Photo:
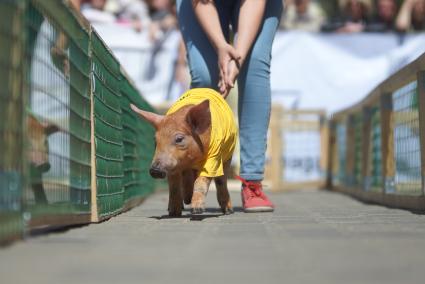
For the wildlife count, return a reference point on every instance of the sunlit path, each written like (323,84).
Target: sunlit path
(313,237)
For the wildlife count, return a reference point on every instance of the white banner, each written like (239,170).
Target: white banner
(333,71)
(330,71)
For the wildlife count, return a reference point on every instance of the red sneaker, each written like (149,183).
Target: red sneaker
(253,197)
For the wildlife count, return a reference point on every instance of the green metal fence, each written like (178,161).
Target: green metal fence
(378,145)
(11,120)
(407,148)
(138,146)
(57,84)
(72,151)
(107,129)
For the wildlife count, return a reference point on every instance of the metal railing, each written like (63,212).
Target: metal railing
(377,147)
(72,151)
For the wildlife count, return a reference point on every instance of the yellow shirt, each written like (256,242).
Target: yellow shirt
(223,129)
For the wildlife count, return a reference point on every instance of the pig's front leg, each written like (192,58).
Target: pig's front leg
(175,202)
(188,183)
(223,196)
(199,192)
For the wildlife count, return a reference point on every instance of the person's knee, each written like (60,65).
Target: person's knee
(201,82)
(259,61)
(203,79)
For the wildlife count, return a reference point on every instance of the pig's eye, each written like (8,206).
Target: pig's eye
(179,139)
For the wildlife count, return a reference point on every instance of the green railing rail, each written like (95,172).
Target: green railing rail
(377,147)
(72,151)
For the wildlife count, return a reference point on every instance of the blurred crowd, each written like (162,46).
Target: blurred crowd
(341,16)
(351,16)
(157,17)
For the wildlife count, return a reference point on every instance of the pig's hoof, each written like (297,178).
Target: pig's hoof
(197,210)
(175,213)
(227,211)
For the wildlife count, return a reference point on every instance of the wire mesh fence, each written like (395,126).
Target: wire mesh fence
(357,177)
(11,119)
(382,150)
(407,151)
(108,129)
(341,145)
(297,156)
(138,149)
(375,151)
(64,118)
(58,113)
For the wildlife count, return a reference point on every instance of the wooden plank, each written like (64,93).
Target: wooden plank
(300,125)
(399,79)
(390,200)
(10,239)
(94,209)
(421,100)
(269,154)
(59,220)
(387,139)
(108,216)
(324,143)
(333,162)
(276,145)
(406,116)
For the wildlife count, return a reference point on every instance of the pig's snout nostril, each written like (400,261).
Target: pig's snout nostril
(155,172)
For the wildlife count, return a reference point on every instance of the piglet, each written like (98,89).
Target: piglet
(182,148)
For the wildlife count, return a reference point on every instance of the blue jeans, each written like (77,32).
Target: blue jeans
(253,81)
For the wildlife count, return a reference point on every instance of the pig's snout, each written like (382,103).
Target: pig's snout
(156,171)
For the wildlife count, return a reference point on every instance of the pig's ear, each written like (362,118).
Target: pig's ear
(150,117)
(199,117)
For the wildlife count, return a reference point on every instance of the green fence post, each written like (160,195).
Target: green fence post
(387,132)
(421,98)
(11,118)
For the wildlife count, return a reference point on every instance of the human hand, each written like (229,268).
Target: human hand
(225,54)
(226,84)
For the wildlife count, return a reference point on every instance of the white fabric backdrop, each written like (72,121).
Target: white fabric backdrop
(335,71)
(330,71)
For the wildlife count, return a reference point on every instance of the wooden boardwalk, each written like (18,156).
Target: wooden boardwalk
(312,237)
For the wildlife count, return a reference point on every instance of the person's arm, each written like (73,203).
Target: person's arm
(251,15)
(207,15)
(250,19)
(404,17)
